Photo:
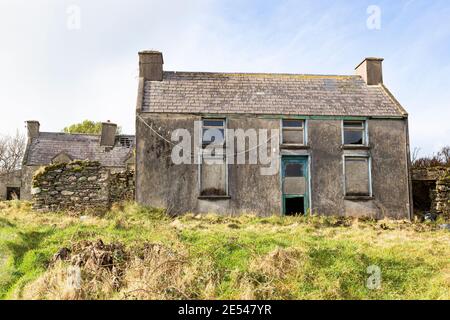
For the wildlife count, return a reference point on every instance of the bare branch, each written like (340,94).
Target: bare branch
(12,150)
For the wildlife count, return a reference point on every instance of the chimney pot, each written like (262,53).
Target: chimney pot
(371,70)
(108,137)
(33,129)
(151,65)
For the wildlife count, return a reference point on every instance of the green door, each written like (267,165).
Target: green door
(295,185)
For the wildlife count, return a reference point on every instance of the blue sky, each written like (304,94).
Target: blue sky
(59,75)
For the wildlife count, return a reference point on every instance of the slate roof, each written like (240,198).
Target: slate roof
(285,94)
(48,145)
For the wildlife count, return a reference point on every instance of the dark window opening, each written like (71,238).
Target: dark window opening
(353,137)
(294,206)
(354,133)
(423,196)
(292,123)
(12,193)
(294,170)
(213,131)
(126,142)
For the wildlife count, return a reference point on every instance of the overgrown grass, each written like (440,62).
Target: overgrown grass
(217,257)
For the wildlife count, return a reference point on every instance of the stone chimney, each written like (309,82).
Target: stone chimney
(108,138)
(371,71)
(151,65)
(33,129)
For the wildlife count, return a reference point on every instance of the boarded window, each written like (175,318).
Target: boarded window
(294,179)
(357,176)
(293,132)
(354,133)
(213,168)
(213,179)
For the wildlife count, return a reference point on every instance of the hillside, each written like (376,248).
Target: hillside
(140,253)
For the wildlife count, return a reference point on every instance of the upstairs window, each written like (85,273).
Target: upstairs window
(355,133)
(293,132)
(213,131)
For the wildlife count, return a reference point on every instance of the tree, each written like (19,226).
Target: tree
(444,154)
(86,127)
(12,150)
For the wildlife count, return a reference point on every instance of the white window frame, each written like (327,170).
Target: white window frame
(365,133)
(304,128)
(358,156)
(201,156)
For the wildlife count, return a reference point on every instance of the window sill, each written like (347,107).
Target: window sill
(359,198)
(294,146)
(354,147)
(214,197)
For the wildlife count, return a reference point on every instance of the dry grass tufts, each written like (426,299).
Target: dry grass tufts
(162,273)
(279,262)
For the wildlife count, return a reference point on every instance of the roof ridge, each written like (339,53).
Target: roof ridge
(72,134)
(260,74)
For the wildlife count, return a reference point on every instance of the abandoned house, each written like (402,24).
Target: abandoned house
(343,147)
(112,151)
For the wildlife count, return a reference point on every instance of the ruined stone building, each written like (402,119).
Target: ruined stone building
(10,184)
(343,147)
(112,151)
(431,190)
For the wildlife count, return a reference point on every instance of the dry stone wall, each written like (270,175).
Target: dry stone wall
(80,186)
(443,194)
(437,179)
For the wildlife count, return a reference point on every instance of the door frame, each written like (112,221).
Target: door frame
(304,159)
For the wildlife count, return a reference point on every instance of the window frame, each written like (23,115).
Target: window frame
(215,145)
(364,129)
(224,127)
(303,128)
(369,166)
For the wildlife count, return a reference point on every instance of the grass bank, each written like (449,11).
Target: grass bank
(146,255)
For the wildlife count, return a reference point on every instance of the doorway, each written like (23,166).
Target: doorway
(295,185)
(12,193)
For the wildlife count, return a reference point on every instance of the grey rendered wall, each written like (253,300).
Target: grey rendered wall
(390,167)
(161,183)
(387,141)
(324,137)
(27,176)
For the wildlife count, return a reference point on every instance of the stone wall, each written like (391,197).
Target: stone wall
(433,185)
(443,194)
(80,186)
(122,186)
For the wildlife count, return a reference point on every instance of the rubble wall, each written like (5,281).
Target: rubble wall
(80,186)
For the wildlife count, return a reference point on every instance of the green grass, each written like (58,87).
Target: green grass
(227,257)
